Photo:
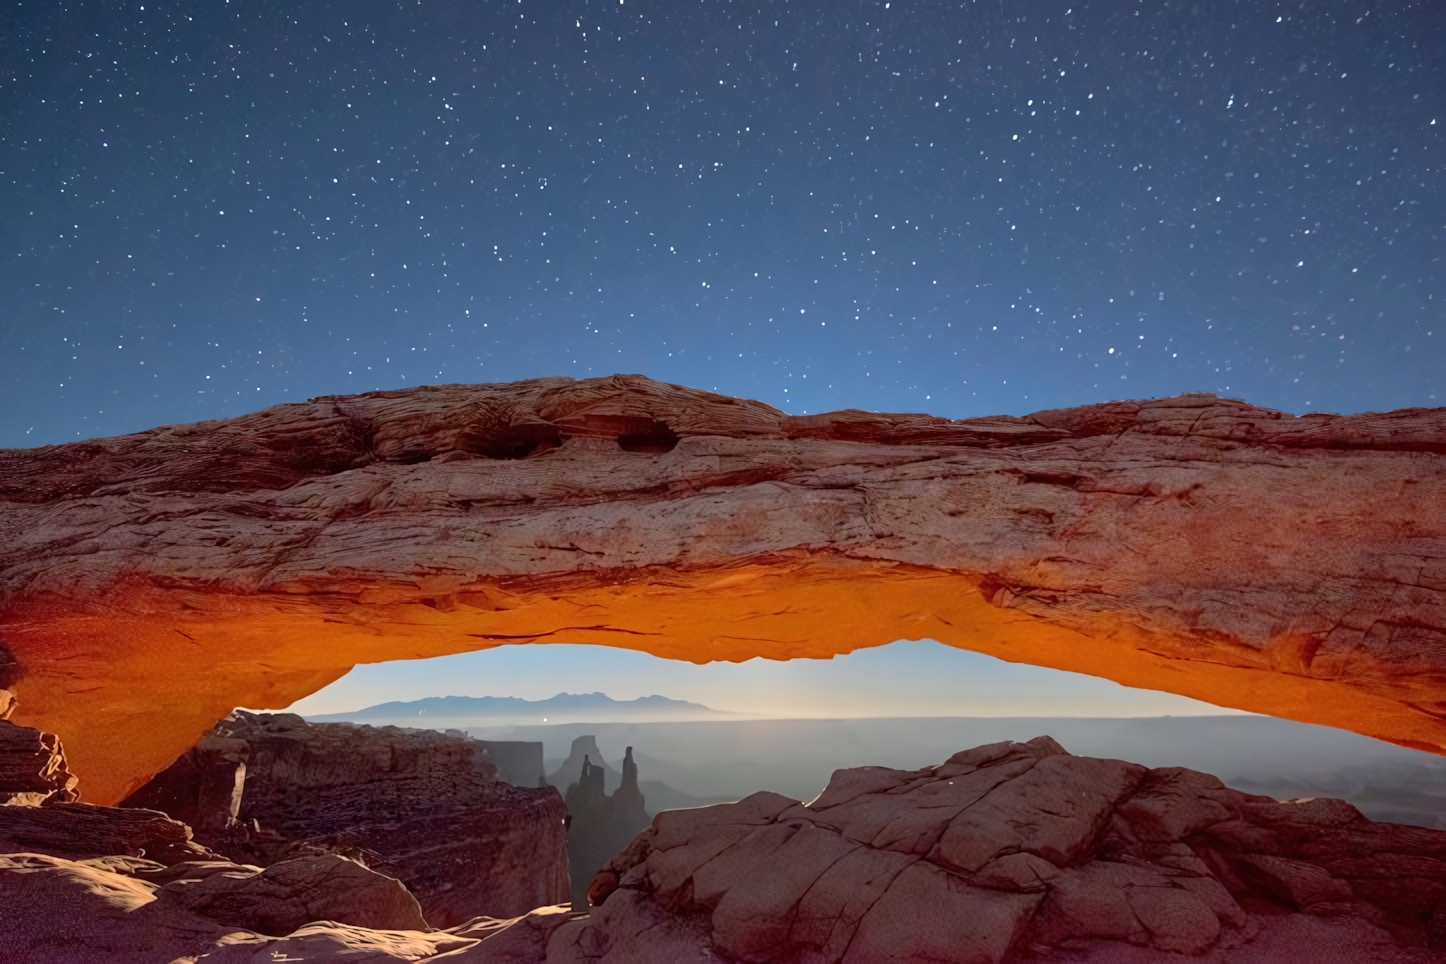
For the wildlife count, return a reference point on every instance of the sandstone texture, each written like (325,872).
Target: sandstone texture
(152,582)
(32,766)
(1005,854)
(85,831)
(417,805)
(119,911)
(1017,852)
(88,884)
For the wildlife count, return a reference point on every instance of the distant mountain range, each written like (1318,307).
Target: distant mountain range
(562,708)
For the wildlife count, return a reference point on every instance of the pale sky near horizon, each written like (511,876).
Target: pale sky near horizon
(906,678)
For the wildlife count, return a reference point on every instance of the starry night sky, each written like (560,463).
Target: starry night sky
(962,208)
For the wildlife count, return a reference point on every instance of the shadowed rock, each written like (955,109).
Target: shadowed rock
(118,912)
(599,824)
(518,762)
(1004,853)
(584,750)
(417,805)
(1290,566)
(1018,852)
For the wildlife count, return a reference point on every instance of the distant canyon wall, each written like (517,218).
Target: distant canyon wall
(150,583)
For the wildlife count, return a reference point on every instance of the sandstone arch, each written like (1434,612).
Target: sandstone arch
(151,582)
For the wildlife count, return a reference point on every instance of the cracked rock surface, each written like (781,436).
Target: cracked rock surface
(1288,566)
(1018,852)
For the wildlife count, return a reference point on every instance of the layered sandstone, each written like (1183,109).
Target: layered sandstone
(152,582)
(416,805)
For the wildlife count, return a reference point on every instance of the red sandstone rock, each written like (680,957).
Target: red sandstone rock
(1009,852)
(117,910)
(328,942)
(81,831)
(292,893)
(84,883)
(1291,566)
(1018,852)
(417,805)
(132,911)
(65,912)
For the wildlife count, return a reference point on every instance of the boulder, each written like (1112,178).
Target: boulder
(32,765)
(292,893)
(1231,553)
(76,912)
(327,942)
(108,909)
(423,807)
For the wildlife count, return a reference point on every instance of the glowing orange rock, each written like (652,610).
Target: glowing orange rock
(150,583)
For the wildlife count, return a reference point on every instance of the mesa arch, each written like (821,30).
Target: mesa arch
(150,583)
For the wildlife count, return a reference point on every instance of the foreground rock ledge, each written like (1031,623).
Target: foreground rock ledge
(1017,852)
(1003,854)
(152,582)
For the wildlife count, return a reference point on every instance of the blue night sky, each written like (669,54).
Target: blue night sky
(912,206)
(964,208)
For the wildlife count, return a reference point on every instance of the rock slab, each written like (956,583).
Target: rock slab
(1016,852)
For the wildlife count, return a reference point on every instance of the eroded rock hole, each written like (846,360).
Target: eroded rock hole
(648,435)
(519,441)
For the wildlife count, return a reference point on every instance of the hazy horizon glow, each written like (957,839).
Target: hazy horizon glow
(918,678)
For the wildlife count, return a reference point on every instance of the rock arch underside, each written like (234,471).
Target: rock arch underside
(149,583)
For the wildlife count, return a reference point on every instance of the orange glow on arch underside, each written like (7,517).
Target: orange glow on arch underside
(101,673)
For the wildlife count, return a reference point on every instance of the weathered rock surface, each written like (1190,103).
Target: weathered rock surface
(417,805)
(1290,566)
(1017,852)
(85,883)
(118,910)
(1004,853)
(291,894)
(83,831)
(32,766)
